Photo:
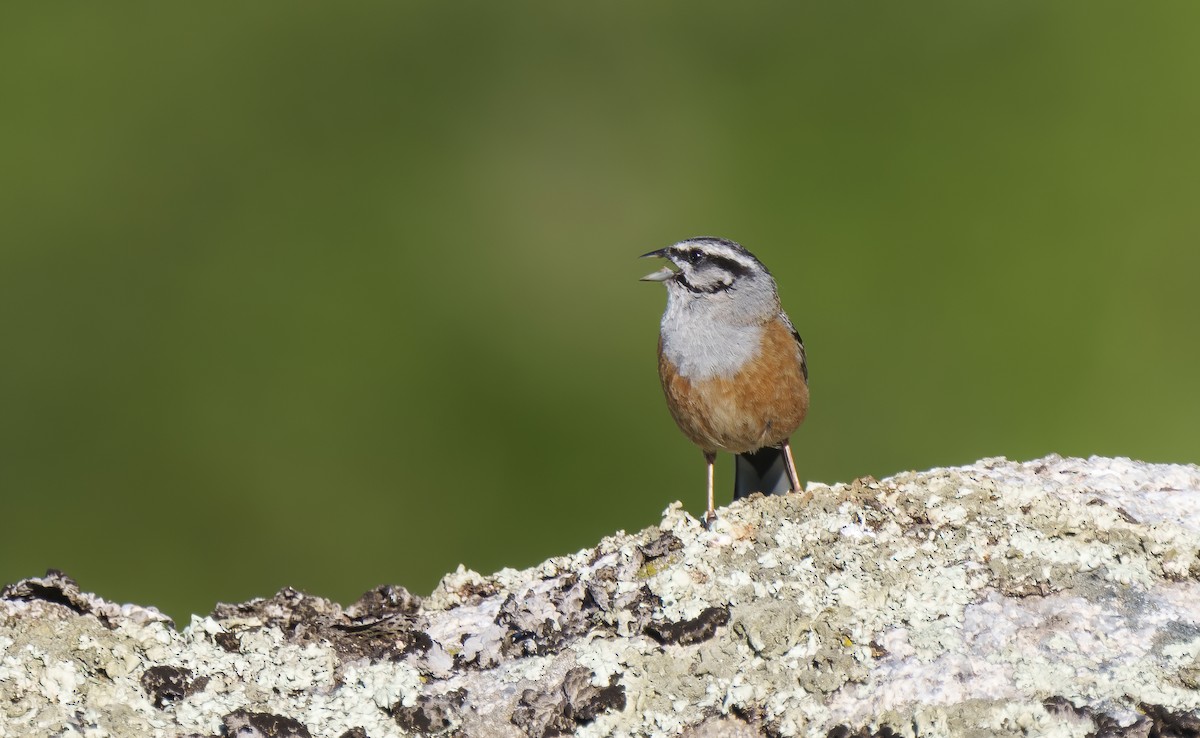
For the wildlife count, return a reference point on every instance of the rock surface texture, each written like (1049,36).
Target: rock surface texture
(1057,597)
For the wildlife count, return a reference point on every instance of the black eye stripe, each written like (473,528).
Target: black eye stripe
(734,267)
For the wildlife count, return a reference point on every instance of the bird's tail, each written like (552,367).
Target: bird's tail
(764,470)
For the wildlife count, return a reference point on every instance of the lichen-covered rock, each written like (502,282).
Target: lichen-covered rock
(1058,597)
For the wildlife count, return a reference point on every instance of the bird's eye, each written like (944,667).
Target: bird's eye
(695,256)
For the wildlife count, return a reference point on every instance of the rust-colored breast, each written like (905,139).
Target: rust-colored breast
(761,405)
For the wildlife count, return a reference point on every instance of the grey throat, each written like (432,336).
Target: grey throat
(714,335)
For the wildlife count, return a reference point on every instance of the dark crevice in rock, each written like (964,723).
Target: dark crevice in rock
(246,724)
(55,588)
(167,684)
(845,731)
(228,641)
(661,546)
(378,627)
(540,623)
(431,713)
(1165,723)
(755,716)
(1157,721)
(569,705)
(686,632)
(385,601)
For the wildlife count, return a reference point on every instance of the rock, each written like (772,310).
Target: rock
(1058,597)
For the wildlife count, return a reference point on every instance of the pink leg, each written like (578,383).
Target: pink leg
(711,515)
(791,466)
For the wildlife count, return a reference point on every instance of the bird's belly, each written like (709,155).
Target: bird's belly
(760,405)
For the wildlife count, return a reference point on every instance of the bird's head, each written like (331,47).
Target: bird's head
(708,266)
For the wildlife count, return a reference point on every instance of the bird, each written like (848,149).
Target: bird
(732,365)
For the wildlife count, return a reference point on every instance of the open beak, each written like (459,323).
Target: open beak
(662,275)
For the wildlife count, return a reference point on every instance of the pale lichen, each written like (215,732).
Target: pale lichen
(1057,597)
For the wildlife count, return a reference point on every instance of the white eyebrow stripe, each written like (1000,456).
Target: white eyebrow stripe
(719,248)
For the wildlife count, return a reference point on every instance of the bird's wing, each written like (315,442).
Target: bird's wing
(799,342)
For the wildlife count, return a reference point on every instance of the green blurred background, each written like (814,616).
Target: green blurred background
(331,295)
